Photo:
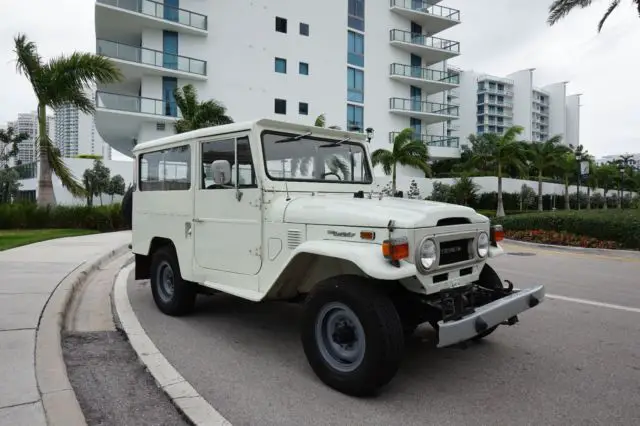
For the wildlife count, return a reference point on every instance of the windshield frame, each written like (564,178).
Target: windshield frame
(320,138)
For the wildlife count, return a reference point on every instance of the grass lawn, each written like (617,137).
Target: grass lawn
(15,238)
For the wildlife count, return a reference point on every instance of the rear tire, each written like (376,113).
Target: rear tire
(172,295)
(352,335)
(127,208)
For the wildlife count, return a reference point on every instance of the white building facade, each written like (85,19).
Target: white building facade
(76,133)
(28,123)
(491,104)
(362,63)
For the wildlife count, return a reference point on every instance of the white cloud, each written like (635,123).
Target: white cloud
(496,36)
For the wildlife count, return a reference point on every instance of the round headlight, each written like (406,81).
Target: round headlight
(483,244)
(427,254)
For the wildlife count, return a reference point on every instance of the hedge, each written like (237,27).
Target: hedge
(30,216)
(620,226)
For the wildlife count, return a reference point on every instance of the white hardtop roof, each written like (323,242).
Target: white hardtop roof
(249,125)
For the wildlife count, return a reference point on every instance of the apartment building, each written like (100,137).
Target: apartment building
(76,133)
(361,63)
(491,104)
(28,123)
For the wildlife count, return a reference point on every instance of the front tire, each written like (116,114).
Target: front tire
(172,295)
(352,335)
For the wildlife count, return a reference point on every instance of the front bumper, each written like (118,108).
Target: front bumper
(489,315)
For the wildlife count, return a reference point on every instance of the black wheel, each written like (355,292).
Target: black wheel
(126,208)
(352,335)
(490,279)
(172,295)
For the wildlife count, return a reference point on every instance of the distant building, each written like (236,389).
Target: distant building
(28,123)
(75,133)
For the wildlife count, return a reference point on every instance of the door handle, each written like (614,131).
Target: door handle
(197,220)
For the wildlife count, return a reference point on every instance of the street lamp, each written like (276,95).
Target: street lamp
(624,162)
(578,159)
(370,133)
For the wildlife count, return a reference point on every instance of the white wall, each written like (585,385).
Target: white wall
(573,120)
(522,101)
(557,109)
(78,166)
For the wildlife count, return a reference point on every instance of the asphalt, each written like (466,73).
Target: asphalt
(570,361)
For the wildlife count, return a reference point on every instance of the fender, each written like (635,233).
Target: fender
(366,256)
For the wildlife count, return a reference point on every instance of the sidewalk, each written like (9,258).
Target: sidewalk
(28,277)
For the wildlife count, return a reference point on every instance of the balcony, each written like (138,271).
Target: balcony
(435,18)
(428,112)
(430,81)
(135,61)
(138,14)
(119,117)
(494,90)
(440,147)
(431,49)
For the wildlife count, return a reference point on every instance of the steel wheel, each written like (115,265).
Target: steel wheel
(166,281)
(340,337)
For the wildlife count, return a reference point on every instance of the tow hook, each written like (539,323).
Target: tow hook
(511,321)
(509,288)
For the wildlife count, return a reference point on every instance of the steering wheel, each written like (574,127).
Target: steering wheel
(331,173)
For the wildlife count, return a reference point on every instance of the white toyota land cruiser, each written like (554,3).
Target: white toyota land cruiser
(269,210)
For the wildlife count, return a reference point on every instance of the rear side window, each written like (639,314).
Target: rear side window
(166,170)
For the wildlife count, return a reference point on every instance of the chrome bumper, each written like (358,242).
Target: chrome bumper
(489,315)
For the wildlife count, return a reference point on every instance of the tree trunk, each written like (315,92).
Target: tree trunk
(500,212)
(46,195)
(393,181)
(605,198)
(588,198)
(567,205)
(540,191)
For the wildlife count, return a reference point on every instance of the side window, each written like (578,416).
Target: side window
(166,170)
(224,149)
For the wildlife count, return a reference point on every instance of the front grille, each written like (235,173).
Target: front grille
(454,251)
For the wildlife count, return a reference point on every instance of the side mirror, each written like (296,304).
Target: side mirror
(221,170)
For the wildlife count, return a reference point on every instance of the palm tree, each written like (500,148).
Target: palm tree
(544,157)
(196,114)
(60,81)
(567,169)
(9,141)
(561,8)
(497,153)
(406,152)
(606,175)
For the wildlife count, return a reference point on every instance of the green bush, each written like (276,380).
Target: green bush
(620,226)
(30,216)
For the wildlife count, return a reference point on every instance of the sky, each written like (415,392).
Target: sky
(496,36)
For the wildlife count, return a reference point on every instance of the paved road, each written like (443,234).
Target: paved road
(568,362)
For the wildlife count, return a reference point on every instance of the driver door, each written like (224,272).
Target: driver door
(227,215)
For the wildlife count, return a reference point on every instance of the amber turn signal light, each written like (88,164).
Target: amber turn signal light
(395,249)
(497,234)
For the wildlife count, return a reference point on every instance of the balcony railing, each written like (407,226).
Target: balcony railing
(424,73)
(161,11)
(423,107)
(424,7)
(143,55)
(432,140)
(494,90)
(138,104)
(423,40)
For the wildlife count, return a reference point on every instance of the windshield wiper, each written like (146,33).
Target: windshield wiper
(293,138)
(337,143)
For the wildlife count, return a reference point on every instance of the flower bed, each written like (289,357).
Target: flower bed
(560,238)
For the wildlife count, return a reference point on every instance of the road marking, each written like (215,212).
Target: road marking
(548,250)
(594,303)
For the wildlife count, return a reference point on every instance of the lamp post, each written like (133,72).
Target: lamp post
(578,160)
(624,162)
(370,133)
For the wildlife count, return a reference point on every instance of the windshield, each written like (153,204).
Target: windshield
(314,159)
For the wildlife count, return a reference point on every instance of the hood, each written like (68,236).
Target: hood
(374,213)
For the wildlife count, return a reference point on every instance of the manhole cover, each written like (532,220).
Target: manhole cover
(521,254)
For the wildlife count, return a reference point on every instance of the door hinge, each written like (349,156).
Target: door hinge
(255,203)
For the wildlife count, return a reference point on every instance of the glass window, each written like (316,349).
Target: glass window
(356,14)
(355,85)
(280,106)
(281,65)
(170,49)
(303,108)
(304,29)
(281,25)
(243,173)
(171,11)
(170,108)
(355,53)
(416,125)
(166,170)
(355,117)
(303,68)
(314,159)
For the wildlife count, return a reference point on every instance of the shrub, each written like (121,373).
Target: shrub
(30,216)
(619,226)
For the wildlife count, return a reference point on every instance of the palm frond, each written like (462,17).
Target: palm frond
(384,158)
(611,8)
(28,61)
(561,8)
(60,169)
(321,121)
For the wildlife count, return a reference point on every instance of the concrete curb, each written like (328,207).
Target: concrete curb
(58,397)
(193,406)
(586,250)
